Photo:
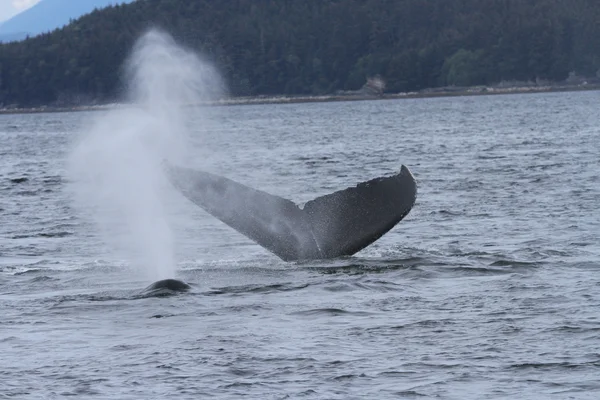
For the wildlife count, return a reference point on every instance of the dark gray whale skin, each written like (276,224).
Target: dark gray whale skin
(163,288)
(338,224)
(169,284)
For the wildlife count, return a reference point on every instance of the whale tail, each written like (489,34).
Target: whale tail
(338,224)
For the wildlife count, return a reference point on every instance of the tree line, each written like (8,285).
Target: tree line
(300,47)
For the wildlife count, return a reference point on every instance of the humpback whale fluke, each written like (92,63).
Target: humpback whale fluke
(338,224)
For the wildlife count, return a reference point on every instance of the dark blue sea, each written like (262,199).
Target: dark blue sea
(488,289)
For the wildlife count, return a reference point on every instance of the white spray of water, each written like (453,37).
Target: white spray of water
(116,168)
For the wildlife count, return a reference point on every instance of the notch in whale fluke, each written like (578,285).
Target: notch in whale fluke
(338,224)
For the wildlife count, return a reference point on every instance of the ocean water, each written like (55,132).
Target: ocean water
(489,289)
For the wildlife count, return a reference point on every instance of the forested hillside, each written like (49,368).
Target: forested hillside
(265,47)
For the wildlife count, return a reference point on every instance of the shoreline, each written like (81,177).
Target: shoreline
(263,100)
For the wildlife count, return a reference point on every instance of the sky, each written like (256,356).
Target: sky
(10,8)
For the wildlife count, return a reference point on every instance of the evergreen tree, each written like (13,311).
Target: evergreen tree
(269,47)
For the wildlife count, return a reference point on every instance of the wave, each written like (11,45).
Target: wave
(59,234)
(331,312)
(19,180)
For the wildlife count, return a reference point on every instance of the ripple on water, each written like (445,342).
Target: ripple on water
(488,289)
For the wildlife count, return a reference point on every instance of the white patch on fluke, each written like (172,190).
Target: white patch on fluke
(116,168)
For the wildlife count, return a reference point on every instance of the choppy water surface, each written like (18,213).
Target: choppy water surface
(490,288)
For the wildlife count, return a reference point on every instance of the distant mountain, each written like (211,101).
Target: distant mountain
(12,37)
(48,15)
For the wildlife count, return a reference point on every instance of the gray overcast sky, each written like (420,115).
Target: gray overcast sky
(10,8)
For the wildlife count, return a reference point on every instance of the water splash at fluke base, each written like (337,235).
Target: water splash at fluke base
(116,171)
